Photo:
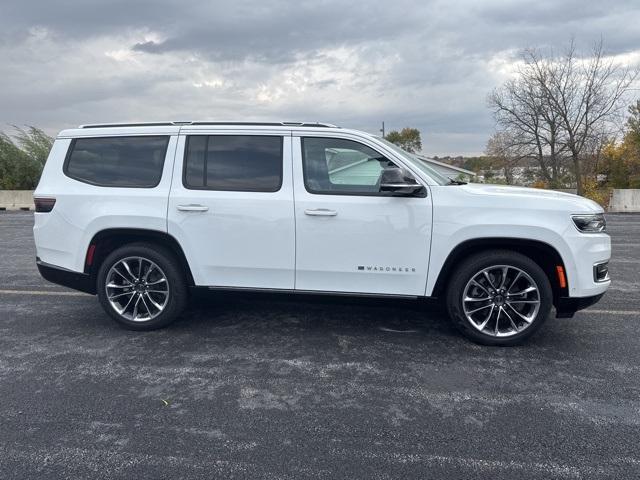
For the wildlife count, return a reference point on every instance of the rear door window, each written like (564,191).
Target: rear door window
(117,161)
(241,163)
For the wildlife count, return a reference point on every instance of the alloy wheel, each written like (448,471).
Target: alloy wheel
(501,300)
(137,289)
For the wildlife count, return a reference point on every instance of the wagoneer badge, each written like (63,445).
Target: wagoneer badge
(370,268)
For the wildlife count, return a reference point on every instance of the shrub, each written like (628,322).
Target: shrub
(22,158)
(598,194)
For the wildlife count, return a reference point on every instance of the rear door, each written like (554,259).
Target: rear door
(231,207)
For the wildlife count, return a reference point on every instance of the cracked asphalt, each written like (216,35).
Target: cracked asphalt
(279,386)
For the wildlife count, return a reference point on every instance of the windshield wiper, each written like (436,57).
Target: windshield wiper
(456,182)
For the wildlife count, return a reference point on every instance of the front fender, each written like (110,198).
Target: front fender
(446,239)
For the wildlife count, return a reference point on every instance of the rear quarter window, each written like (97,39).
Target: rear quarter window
(117,161)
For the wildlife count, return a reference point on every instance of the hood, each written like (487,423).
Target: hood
(507,193)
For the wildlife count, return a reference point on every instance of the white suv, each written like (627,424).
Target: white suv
(139,214)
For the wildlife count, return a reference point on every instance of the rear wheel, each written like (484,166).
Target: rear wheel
(141,286)
(499,297)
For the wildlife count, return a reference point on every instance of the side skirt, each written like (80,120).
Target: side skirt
(305,292)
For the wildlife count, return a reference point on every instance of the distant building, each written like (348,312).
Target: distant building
(523,176)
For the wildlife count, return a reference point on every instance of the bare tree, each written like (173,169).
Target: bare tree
(520,107)
(583,93)
(562,106)
(507,150)
(513,115)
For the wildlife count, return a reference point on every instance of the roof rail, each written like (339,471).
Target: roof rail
(140,124)
(180,123)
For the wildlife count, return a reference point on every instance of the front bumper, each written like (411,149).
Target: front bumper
(586,285)
(586,251)
(566,307)
(67,278)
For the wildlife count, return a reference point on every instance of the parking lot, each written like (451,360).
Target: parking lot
(284,386)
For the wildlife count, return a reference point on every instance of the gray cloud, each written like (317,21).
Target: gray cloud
(284,31)
(408,62)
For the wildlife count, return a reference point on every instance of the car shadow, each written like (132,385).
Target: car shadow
(253,309)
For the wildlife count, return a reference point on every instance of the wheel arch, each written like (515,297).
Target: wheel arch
(106,241)
(540,252)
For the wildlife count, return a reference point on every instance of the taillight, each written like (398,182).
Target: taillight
(44,205)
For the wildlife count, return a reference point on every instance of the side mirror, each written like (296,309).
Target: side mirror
(400,183)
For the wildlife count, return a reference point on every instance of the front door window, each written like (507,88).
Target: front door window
(335,166)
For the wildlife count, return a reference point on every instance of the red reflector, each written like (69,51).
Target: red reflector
(561,277)
(90,252)
(44,205)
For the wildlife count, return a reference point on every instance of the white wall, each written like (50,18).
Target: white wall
(625,200)
(16,199)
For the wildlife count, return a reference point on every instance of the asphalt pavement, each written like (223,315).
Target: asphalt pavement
(284,386)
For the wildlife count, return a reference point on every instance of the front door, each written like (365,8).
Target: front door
(231,208)
(350,235)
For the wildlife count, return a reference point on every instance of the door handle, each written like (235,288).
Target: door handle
(193,208)
(320,212)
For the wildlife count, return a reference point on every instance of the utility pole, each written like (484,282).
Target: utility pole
(382,129)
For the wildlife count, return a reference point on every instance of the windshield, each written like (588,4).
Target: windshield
(416,162)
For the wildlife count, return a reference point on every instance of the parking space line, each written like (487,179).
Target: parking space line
(41,292)
(613,312)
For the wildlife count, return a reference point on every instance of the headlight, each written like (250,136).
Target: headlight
(590,223)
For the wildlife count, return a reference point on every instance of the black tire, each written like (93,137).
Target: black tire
(472,266)
(175,278)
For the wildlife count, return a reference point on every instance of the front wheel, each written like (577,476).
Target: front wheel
(499,298)
(141,286)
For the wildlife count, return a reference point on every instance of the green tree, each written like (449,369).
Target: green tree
(22,158)
(633,122)
(407,139)
(622,160)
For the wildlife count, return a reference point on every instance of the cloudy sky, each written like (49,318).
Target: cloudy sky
(427,64)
